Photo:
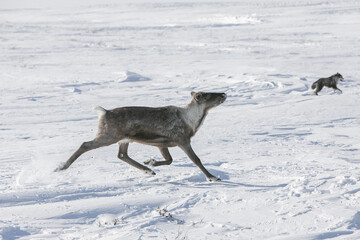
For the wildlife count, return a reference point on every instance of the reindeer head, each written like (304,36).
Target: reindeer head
(209,100)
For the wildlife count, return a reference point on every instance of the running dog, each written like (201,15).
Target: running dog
(329,82)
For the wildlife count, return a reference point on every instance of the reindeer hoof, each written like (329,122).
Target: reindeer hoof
(150,172)
(214,179)
(60,167)
(150,162)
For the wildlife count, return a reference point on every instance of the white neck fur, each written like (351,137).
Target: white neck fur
(194,115)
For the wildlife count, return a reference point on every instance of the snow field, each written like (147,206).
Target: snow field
(289,161)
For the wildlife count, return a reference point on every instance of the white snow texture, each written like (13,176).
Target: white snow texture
(289,161)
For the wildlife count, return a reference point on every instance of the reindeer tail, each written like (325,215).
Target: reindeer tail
(100,111)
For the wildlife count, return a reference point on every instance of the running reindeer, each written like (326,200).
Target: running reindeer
(162,127)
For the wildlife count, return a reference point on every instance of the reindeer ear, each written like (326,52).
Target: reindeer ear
(199,96)
(193,94)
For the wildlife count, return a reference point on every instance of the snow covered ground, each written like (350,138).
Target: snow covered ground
(289,161)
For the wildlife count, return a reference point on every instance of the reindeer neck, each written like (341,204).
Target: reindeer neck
(194,115)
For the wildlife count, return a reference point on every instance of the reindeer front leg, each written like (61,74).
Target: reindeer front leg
(191,154)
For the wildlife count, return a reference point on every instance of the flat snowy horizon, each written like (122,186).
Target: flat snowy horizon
(289,161)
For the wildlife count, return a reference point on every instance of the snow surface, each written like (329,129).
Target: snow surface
(289,161)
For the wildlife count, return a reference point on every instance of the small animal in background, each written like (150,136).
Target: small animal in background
(329,82)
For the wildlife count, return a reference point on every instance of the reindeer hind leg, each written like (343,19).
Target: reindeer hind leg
(123,155)
(165,153)
(85,147)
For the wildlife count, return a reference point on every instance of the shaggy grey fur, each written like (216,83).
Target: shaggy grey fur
(330,82)
(162,127)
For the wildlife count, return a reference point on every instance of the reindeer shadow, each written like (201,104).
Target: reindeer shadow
(200,181)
